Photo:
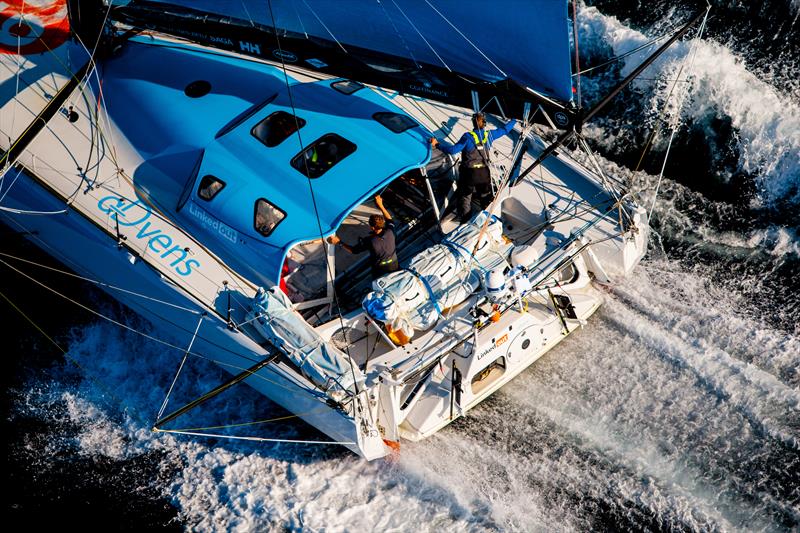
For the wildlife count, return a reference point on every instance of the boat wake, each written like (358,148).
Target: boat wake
(744,123)
(667,411)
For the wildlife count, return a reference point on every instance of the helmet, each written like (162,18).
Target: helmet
(475,118)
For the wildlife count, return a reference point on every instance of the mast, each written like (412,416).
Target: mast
(86,20)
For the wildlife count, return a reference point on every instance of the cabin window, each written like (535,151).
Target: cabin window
(347,86)
(395,121)
(276,128)
(210,187)
(267,217)
(320,156)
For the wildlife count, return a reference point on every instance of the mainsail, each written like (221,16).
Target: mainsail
(438,49)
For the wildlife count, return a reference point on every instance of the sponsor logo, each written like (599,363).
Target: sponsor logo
(31,27)
(213,224)
(136,215)
(486,352)
(220,40)
(426,88)
(561,118)
(316,63)
(284,55)
(217,39)
(250,48)
(500,341)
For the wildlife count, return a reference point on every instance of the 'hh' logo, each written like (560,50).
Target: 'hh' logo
(136,214)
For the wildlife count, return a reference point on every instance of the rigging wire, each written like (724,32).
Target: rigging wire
(577,56)
(255,439)
(300,20)
(623,55)
(417,105)
(399,35)
(28,212)
(421,36)
(676,119)
(330,274)
(82,81)
(73,195)
(156,339)
(178,373)
(247,12)
(57,254)
(16,86)
(101,283)
(138,415)
(256,422)
(467,39)
(75,362)
(94,70)
(275,28)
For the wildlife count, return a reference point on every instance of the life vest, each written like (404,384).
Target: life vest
(478,156)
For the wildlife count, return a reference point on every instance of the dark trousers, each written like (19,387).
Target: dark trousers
(473,182)
(379,269)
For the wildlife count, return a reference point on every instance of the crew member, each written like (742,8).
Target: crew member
(473,175)
(321,157)
(380,243)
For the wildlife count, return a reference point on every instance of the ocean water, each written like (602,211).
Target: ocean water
(676,408)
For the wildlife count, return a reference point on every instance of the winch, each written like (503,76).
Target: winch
(495,285)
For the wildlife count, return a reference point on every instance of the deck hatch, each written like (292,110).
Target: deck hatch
(395,122)
(347,86)
(197,89)
(276,128)
(322,155)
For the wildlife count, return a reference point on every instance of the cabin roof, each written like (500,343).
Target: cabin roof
(164,123)
(253,170)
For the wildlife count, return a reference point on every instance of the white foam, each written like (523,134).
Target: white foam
(228,486)
(606,417)
(768,124)
(777,241)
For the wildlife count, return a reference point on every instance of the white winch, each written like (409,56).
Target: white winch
(495,285)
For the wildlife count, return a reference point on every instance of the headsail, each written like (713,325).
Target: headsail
(438,49)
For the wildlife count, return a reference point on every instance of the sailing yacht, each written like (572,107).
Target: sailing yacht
(193,164)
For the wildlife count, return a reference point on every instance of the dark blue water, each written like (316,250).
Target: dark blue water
(676,408)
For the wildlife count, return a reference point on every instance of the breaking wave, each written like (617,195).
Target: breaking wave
(764,125)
